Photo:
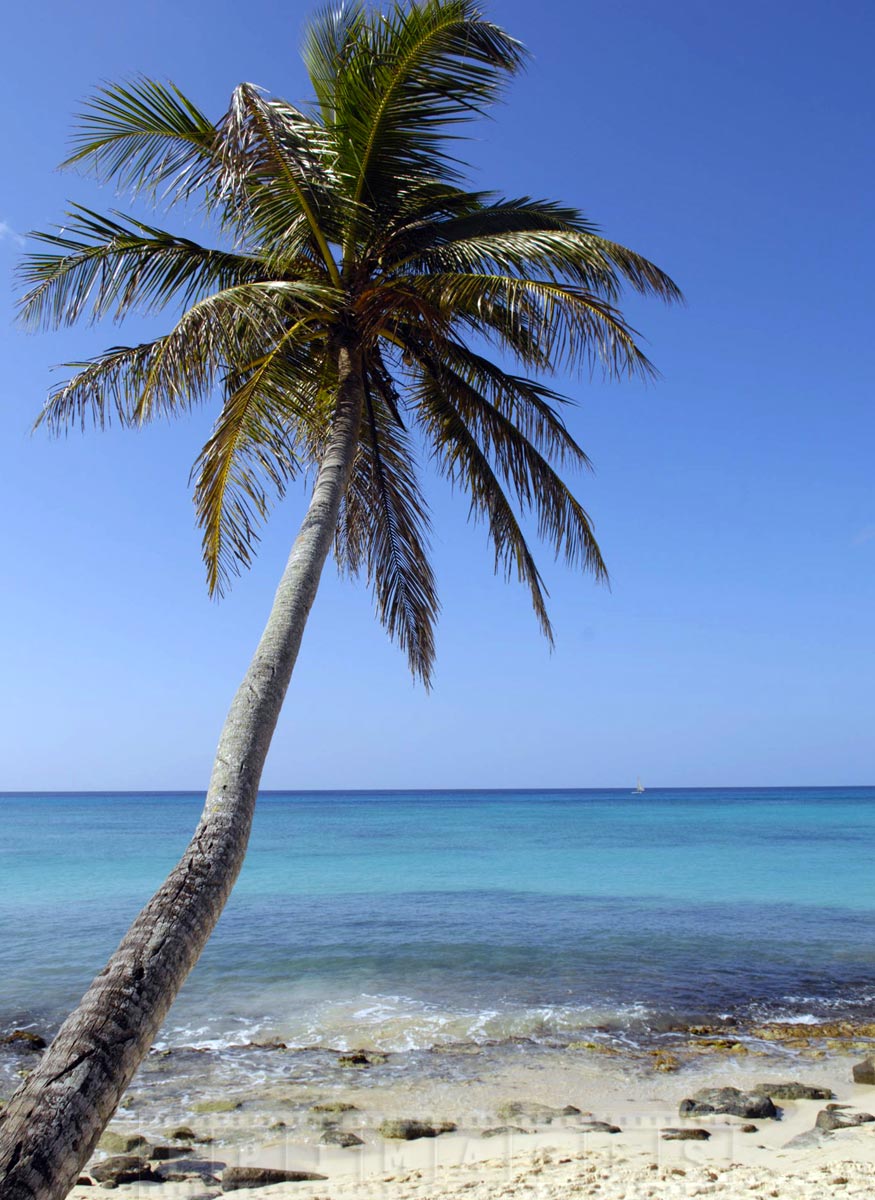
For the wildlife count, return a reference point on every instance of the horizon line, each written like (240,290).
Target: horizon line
(371,791)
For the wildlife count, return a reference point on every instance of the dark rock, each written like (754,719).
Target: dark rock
(114,1142)
(356,1059)
(728,1100)
(500,1129)
(123,1168)
(333,1106)
(600,1127)
(236,1178)
(182,1133)
(542,1114)
(161,1153)
(748,1129)
(406,1130)
(340,1137)
(805,1034)
(685,1135)
(362,1058)
(459,1047)
(23,1039)
(828,1121)
(837,1107)
(863,1072)
(793,1091)
(84,1181)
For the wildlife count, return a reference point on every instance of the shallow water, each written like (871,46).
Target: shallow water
(404,920)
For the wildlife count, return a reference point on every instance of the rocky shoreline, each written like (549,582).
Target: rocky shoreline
(364,1113)
(173,1077)
(188,1164)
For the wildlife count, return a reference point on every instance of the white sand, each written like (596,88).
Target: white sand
(783,1158)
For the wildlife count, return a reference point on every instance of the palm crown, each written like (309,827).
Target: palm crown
(348,221)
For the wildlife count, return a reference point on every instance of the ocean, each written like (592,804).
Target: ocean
(399,921)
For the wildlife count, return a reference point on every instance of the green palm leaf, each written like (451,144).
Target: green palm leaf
(274,160)
(108,385)
(562,521)
(415,70)
(331,39)
(147,137)
(109,265)
(546,324)
(348,222)
(532,407)
(384,531)
(463,462)
(264,435)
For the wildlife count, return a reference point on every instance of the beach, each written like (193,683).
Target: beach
(515,1135)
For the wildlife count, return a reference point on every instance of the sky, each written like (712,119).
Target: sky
(732,499)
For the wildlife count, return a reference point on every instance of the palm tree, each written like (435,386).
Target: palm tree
(348,323)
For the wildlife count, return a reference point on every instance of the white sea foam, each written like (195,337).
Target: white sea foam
(399,1023)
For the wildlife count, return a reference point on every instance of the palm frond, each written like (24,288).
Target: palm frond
(331,38)
(108,265)
(219,335)
(266,432)
(545,324)
(419,204)
(109,387)
(525,237)
(639,272)
(532,407)
(416,69)
(459,457)
(433,222)
(384,530)
(147,137)
(562,521)
(558,256)
(276,170)
(232,331)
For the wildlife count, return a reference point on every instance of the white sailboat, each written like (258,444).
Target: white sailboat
(639,787)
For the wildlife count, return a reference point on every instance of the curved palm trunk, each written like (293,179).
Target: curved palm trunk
(54,1121)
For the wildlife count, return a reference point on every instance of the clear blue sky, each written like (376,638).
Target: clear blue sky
(733,500)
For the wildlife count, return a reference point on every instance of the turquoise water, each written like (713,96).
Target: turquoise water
(405,919)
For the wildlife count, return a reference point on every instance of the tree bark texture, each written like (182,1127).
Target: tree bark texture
(53,1122)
